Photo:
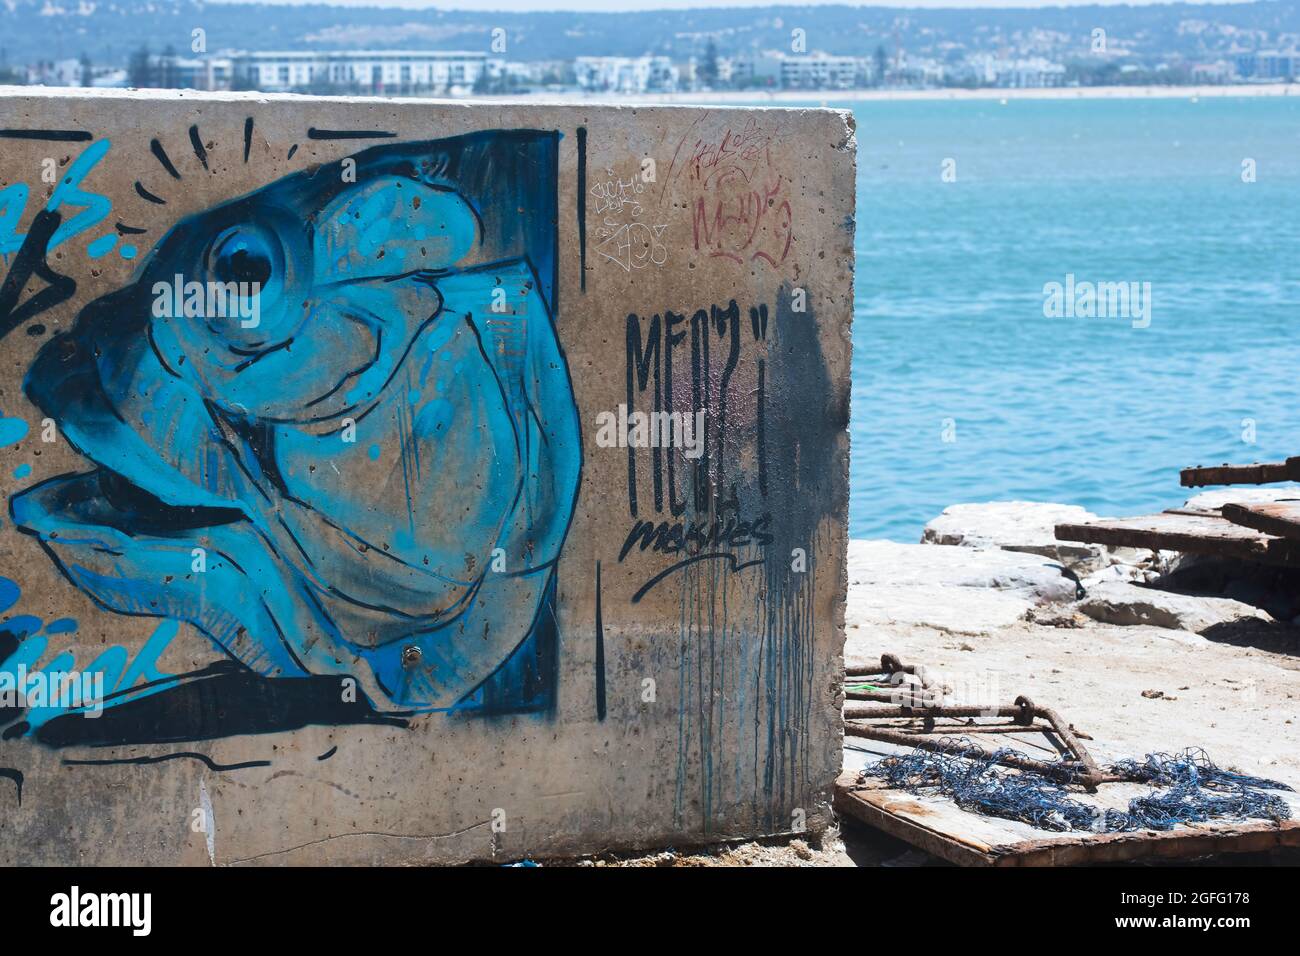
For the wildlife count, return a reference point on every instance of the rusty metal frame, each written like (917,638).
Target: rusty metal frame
(1077,767)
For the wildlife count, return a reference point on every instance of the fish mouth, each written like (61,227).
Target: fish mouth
(122,495)
(136,555)
(126,506)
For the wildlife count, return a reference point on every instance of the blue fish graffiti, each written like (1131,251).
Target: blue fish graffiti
(373,480)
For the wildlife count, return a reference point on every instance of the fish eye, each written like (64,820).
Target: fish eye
(249,254)
(249,266)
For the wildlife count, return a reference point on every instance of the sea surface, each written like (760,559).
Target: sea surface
(965,391)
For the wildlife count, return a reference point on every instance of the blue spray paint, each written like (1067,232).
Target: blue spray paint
(102,246)
(117,675)
(94,207)
(370,556)
(68,193)
(12,430)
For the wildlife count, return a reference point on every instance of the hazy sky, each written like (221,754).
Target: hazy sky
(611,6)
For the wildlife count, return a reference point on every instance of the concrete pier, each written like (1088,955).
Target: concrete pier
(399,481)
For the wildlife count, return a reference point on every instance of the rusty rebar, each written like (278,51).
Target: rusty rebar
(1079,768)
(1078,771)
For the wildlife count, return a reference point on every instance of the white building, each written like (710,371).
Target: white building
(191,73)
(734,69)
(1220,71)
(1031,73)
(626,74)
(819,71)
(380,71)
(56,73)
(112,79)
(1035,72)
(922,71)
(761,69)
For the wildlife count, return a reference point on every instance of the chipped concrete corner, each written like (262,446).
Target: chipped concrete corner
(415,482)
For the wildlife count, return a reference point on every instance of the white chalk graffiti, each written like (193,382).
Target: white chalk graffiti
(621,236)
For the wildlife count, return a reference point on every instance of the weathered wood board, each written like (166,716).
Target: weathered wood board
(1280,518)
(1189,531)
(1259,473)
(939,827)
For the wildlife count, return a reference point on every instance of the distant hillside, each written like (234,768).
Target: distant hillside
(108,31)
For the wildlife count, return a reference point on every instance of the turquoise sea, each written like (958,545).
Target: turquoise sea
(949,326)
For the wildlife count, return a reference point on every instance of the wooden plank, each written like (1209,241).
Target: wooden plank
(943,829)
(850,799)
(1178,844)
(1280,518)
(1193,533)
(1260,473)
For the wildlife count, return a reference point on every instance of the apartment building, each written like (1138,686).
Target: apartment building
(1269,64)
(372,71)
(625,74)
(819,71)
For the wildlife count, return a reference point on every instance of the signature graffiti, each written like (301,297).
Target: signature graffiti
(741,209)
(622,237)
(694,360)
(754,224)
(615,196)
(722,372)
(738,154)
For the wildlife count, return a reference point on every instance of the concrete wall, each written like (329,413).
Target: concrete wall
(329,482)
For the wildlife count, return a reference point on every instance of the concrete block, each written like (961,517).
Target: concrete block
(406,481)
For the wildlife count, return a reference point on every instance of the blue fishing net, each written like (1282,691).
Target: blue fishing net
(1187,788)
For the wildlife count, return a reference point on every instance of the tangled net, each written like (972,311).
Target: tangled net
(1190,789)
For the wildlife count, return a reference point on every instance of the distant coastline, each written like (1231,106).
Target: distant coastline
(779,97)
